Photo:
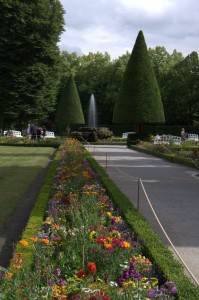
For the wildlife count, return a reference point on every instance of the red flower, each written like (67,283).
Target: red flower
(91,267)
(81,273)
(99,296)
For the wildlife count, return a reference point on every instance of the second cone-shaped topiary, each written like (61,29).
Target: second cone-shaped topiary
(139,99)
(69,109)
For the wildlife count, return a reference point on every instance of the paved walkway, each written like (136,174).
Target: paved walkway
(173,191)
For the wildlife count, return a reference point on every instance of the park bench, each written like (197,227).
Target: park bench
(167,139)
(125,134)
(49,134)
(15,133)
(192,137)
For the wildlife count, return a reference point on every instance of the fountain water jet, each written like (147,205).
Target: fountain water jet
(92,113)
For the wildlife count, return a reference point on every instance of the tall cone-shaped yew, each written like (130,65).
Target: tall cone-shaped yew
(139,98)
(69,109)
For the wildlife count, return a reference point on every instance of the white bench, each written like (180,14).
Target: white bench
(167,139)
(49,134)
(15,133)
(192,137)
(125,134)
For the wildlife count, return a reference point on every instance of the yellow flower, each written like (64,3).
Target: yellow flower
(115,234)
(48,221)
(108,213)
(23,243)
(8,275)
(93,234)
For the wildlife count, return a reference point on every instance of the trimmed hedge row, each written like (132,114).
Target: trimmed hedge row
(154,248)
(171,157)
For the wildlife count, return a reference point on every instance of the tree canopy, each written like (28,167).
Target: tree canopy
(29,58)
(139,98)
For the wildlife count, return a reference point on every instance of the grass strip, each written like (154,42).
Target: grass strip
(37,215)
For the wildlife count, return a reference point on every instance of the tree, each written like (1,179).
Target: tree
(182,91)
(29,58)
(69,109)
(139,98)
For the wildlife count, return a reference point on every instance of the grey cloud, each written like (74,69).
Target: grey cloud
(176,26)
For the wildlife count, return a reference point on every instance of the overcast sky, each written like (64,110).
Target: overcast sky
(113,25)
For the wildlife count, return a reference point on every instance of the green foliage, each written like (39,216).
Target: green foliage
(29,58)
(139,98)
(69,110)
(181,91)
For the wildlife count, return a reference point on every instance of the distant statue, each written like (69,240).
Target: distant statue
(183,134)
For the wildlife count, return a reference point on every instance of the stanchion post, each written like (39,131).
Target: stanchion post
(138,199)
(106,160)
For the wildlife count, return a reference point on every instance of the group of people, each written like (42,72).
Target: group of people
(9,132)
(35,132)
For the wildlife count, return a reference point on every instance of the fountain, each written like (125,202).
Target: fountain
(92,113)
(92,133)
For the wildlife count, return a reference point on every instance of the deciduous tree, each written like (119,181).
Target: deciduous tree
(29,58)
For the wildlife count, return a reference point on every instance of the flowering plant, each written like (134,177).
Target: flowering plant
(84,249)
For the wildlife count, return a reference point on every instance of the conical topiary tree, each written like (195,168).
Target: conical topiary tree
(139,98)
(69,109)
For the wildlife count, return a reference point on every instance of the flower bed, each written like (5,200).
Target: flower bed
(84,249)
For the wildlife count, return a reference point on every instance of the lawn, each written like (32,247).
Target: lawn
(19,166)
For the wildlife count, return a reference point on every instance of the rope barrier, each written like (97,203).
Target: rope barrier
(156,217)
(166,234)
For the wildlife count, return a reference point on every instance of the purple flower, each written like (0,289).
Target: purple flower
(126,274)
(62,282)
(121,281)
(51,283)
(152,293)
(173,290)
(137,276)
(57,272)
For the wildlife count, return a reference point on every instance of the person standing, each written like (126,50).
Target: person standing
(28,133)
(33,132)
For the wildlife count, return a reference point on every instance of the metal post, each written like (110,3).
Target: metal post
(106,160)
(138,199)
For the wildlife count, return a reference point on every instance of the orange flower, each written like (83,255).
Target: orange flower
(91,267)
(16,266)
(34,239)
(23,243)
(55,226)
(107,246)
(125,244)
(45,241)
(8,275)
